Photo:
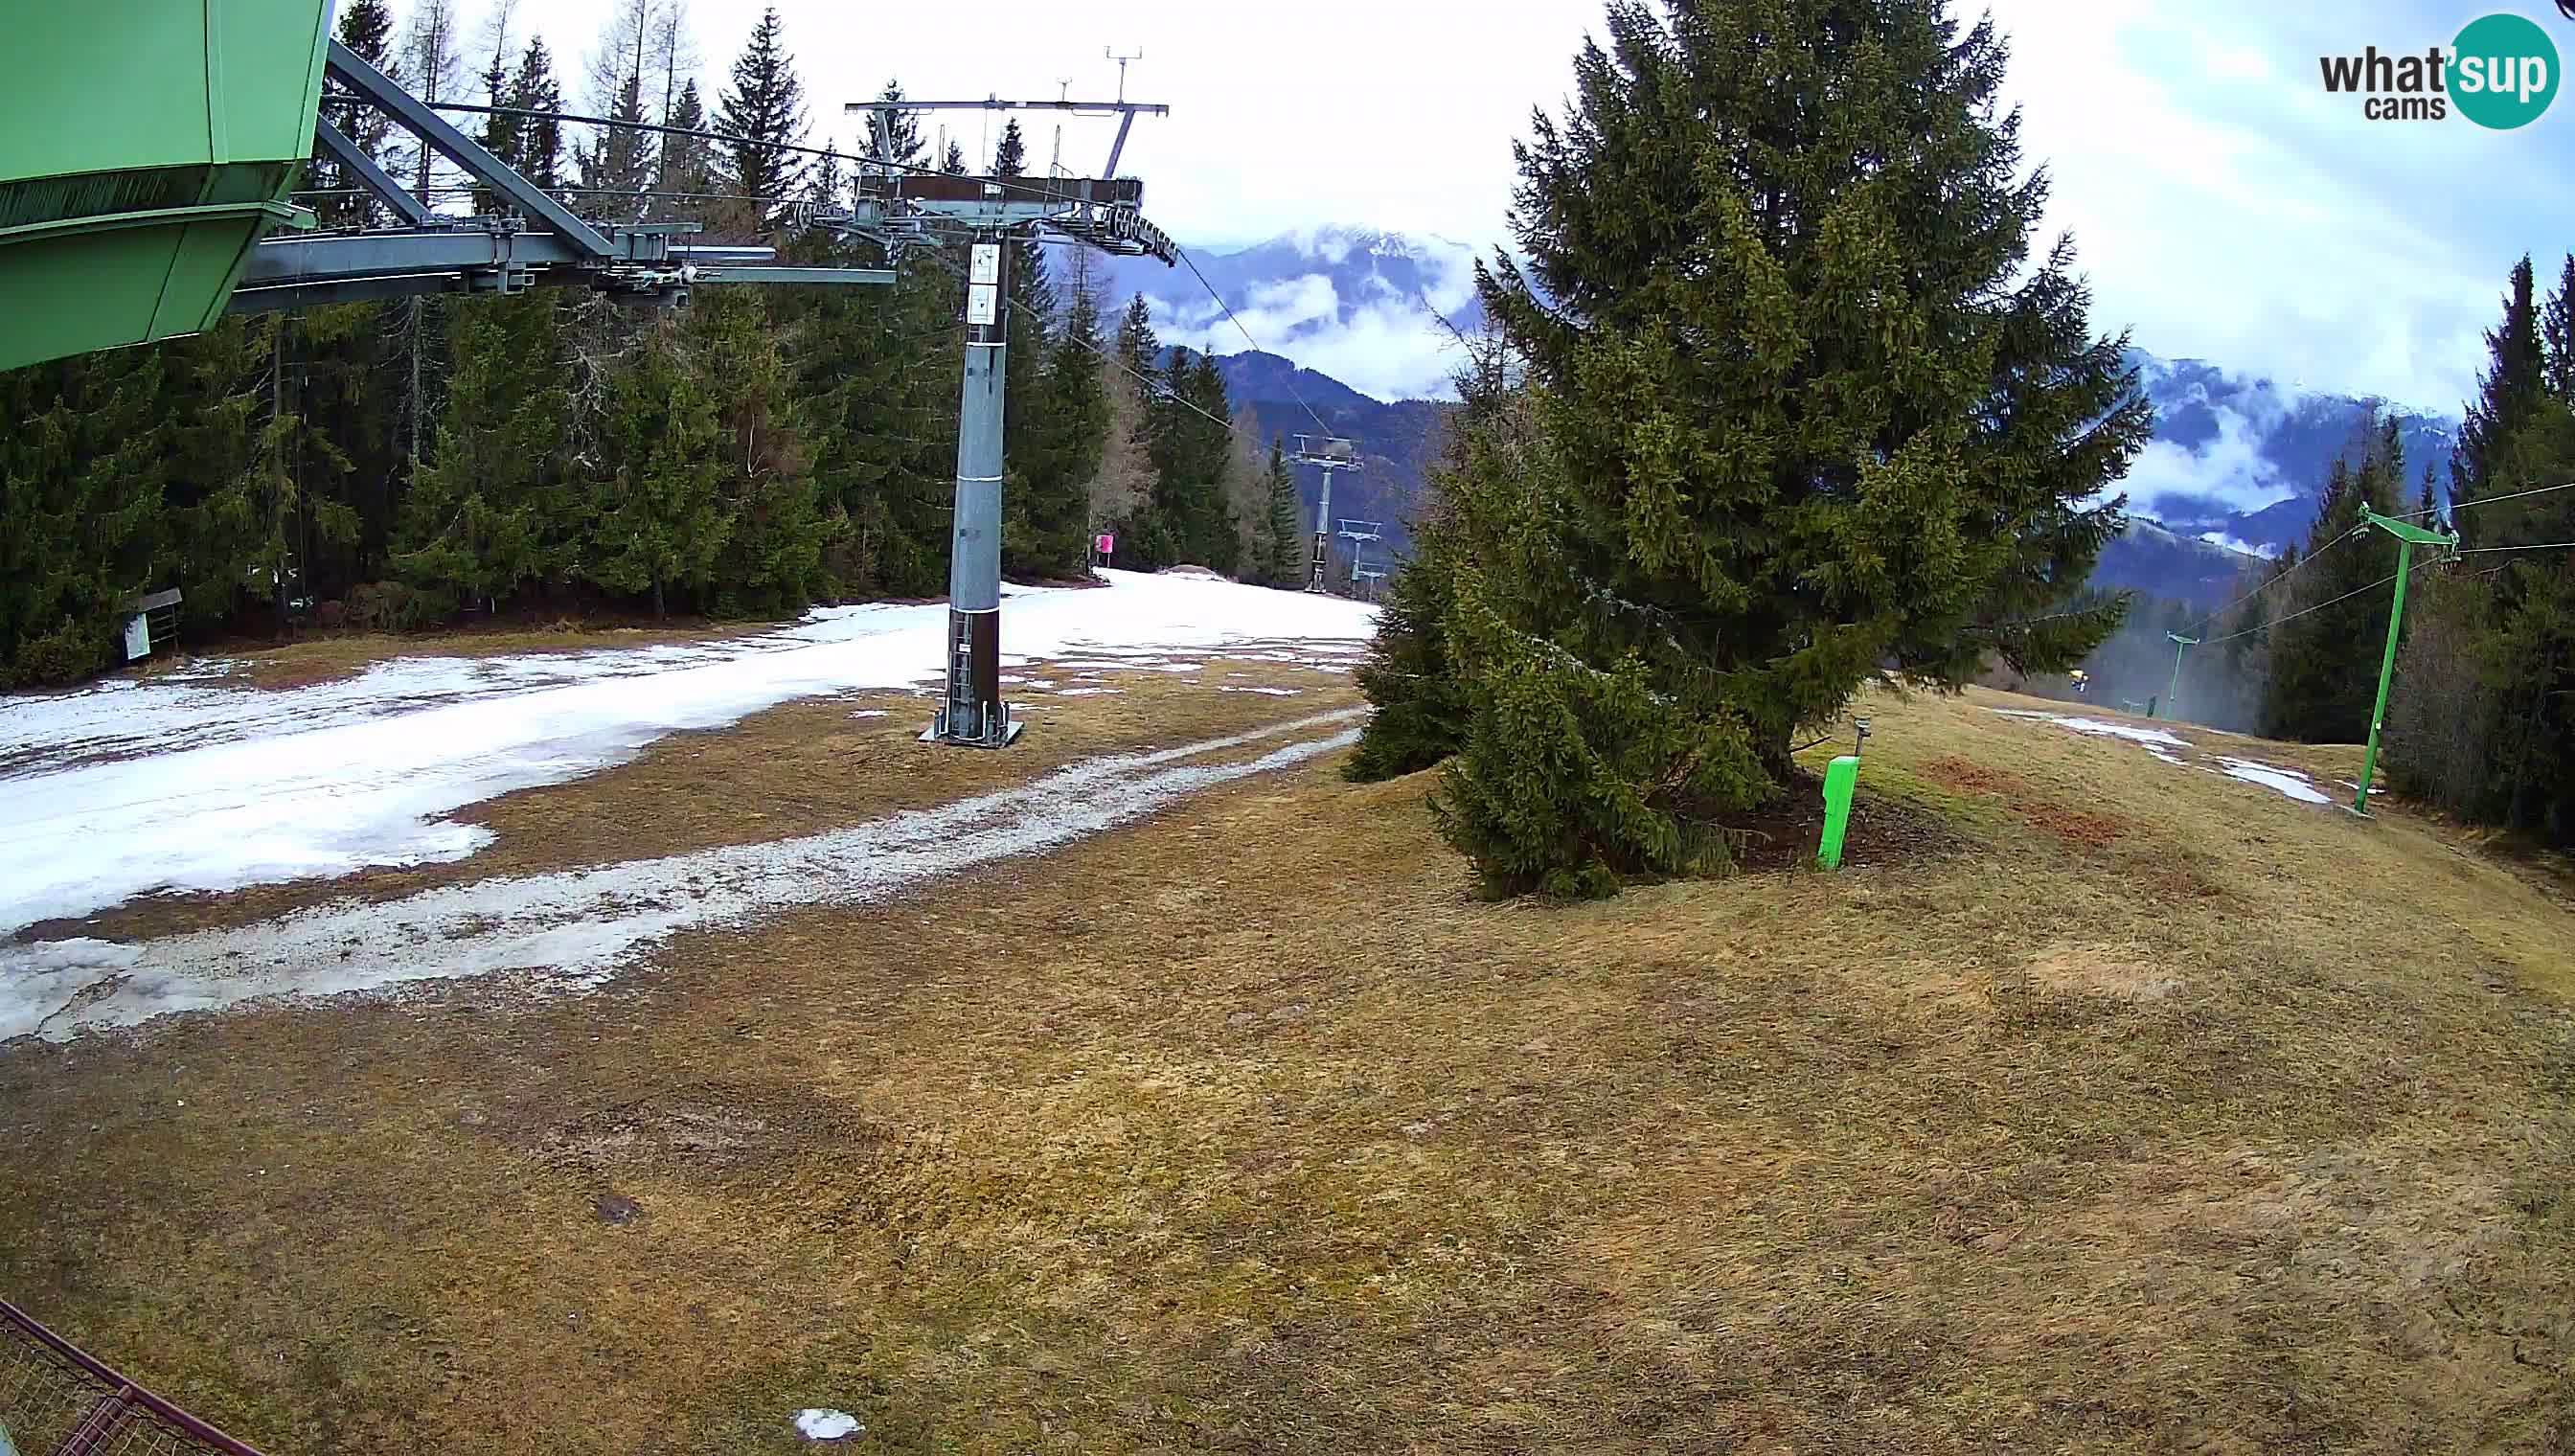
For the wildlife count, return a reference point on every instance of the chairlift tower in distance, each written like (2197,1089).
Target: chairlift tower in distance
(1359,533)
(1327,453)
(899,208)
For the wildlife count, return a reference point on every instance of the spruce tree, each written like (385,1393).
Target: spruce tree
(1118,489)
(770,561)
(1147,537)
(876,374)
(1138,348)
(877,371)
(763,109)
(82,517)
(2322,684)
(477,523)
(350,392)
(1191,521)
(500,129)
(1215,525)
(2557,336)
(1410,676)
(2508,391)
(367,27)
(827,181)
(1283,536)
(539,151)
(216,398)
(1049,518)
(657,522)
(616,169)
(1809,409)
(689,165)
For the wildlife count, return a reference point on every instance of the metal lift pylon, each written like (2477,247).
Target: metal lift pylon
(2408,535)
(897,209)
(1329,454)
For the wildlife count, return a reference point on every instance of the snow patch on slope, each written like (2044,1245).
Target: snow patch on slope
(134,788)
(2286,780)
(573,930)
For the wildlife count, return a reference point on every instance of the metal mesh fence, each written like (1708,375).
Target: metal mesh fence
(56,1401)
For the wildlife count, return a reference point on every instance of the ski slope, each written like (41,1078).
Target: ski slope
(179,785)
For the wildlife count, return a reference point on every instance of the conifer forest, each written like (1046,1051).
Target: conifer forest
(446,460)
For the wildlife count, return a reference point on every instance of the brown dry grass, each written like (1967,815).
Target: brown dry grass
(1245,1128)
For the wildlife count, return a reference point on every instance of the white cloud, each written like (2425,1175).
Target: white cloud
(1381,334)
(2249,548)
(1383,347)
(2227,208)
(2228,466)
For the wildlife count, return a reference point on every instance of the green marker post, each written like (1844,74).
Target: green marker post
(2407,536)
(1840,777)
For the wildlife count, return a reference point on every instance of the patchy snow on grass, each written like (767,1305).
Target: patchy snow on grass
(1268,691)
(2099,728)
(574,928)
(2286,780)
(131,786)
(815,1423)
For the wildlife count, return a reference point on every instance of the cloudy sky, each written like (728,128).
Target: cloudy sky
(2224,206)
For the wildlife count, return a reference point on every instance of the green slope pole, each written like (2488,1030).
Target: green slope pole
(1840,777)
(2407,536)
(2173,700)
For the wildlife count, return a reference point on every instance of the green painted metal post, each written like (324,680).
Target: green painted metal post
(2180,644)
(2408,537)
(1840,777)
(2386,673)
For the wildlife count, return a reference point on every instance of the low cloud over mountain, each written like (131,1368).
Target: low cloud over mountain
(2232,473)
(1373,310)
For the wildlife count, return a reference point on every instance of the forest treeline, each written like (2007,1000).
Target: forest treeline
(407,462)
(2482,720)
(2481,708)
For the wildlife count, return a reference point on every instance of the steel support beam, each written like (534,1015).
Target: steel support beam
(1118,147)
(378,89)
(287,296)
(729,273)
(370,176)
(323,256)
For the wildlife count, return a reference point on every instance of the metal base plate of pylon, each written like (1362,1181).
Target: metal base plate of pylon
(999,732)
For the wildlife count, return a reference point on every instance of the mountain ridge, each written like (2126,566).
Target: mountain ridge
(1361,325)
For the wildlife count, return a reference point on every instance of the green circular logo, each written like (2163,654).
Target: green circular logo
(2504,72)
